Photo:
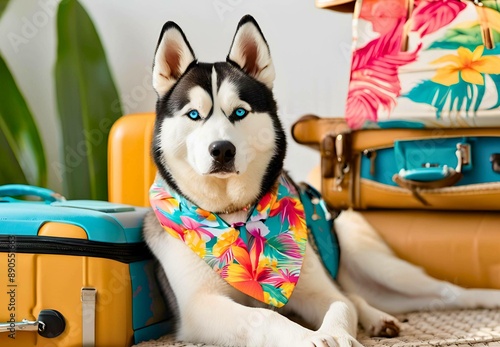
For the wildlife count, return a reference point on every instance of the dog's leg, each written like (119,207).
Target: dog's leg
(216,319)
(371,270)
(317,299)
(374,321)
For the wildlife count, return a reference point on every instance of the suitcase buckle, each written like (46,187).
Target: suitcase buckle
(335,160)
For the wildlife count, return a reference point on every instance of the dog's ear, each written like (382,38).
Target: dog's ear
(250,51)
(172,57)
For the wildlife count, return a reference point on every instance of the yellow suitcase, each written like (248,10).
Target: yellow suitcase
(131,170)
(75,273)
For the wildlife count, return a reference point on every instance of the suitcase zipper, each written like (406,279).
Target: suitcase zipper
(122,252)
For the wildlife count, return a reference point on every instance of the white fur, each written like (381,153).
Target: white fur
(371,270)
(211,311)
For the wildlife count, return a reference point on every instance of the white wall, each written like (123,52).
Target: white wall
(310,48)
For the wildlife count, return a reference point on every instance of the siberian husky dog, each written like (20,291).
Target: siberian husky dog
(219,148)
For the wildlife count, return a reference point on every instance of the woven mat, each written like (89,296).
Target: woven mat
(442,328)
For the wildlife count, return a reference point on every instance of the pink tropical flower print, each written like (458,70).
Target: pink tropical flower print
(384,15)
(283,245)
(174,229)
(375,81)
(289,209)
(432,15)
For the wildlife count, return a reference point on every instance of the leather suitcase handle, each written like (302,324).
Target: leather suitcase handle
(448,181)
(310,130)
(415,186)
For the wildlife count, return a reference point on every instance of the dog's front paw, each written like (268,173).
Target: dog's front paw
(386,326)
(320,339)
(378,323)
(347,341)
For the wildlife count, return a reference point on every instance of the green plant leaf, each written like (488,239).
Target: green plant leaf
(3,6)
(21,149)
(87,101)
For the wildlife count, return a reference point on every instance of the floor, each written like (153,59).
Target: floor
(457,328)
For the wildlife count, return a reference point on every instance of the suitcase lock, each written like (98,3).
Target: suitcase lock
(50,324)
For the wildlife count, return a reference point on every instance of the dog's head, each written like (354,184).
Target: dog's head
(218,140)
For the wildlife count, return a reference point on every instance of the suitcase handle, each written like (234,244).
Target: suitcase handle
(47,195)
(451,178)
(435,177)
(448,181)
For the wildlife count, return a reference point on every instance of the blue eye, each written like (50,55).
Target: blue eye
(240,112)
(194,115)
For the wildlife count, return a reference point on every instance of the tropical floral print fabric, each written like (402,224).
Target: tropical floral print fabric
(430,62)
(262,257)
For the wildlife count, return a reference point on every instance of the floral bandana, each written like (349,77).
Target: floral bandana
(261,258)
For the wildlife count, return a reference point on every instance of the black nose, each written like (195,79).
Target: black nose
(222,151)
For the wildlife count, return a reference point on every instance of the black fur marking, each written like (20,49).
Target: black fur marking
(162,167)
(255,93)
(275,166)
(198,74)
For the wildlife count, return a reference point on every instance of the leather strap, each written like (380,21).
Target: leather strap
(416,186)
(448,181)
(327,150)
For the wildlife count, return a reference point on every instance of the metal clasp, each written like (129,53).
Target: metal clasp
(24,325)
(463,153)
(342,166)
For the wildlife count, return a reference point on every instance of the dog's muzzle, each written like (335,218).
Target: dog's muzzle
(223,153)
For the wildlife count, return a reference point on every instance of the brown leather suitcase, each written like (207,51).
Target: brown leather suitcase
(453,231)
